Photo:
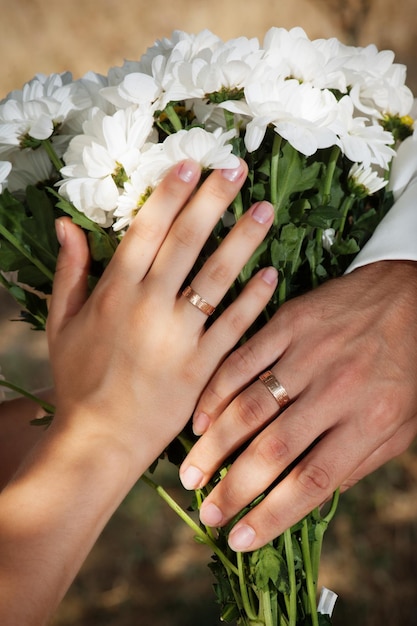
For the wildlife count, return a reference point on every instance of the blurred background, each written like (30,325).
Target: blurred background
(146,568)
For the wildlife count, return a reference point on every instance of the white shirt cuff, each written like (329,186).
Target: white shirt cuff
(395,238)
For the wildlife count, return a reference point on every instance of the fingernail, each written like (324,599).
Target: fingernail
(241,537)
(188,170)
(191,478)
(210,514)
(60,231)
(233,175)
(270,275)
(262,212)
(201,422)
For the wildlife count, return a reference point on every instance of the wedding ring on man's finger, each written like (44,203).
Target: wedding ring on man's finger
(275,388)
(196,300)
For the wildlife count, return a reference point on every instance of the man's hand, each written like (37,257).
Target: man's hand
(346,353)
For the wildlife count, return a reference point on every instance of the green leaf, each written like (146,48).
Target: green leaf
(324,620)
(323,216)
(102,246)
(268,565)
(348,246)
(285,251)
(43,212)
(294,175)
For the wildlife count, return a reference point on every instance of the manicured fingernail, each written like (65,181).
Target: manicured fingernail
(201,422)
(241,537)
(188,170)
(191,477)
(233,175)
(60,231)
(262,212)
(211,515)
(270,275)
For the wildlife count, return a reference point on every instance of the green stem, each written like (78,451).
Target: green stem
(311,580)
(282,290)
(173,117)
(333,507)
(267,608)
(229,119)
(346,206)
(201,535)
(53,157)
(237,205)
(16,243)
(244,590)
(289,551)
(275,156)
(49,408)
(320,529)
(331,166)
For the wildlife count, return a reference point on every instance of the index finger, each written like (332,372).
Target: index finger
(240,369)
(145,235)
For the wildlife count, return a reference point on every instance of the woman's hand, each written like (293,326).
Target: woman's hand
(346,355)
(129,364)
(132,359)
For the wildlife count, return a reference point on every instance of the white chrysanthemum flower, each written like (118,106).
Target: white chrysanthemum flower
(5,168)
(364,181)
(161,74)
(300,113)
(137,190)
(362,141)
(210,150)
(223,71)
(93,84)
(99,162)
(136,88)
(35,111)
(181,47)
(328,238)
(293,55)
(377,84)
(30,167)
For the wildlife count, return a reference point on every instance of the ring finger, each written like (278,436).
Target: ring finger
(224,265)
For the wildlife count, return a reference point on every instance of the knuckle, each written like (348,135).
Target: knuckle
(271,517)
(145,229)
(185,236)
(212,397)
(314,481)
(217,271)
(236,323)
(229,496)
(270,449)
(217,190)
(106,301)
(249,411)
(243,360)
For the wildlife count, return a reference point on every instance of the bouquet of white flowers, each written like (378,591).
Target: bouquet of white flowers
(317,122)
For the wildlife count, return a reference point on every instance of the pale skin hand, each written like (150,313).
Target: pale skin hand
(346,354)
(129,364)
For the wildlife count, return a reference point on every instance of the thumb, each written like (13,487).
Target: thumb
(70,288)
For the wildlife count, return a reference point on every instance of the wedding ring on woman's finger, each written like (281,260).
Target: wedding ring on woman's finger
(275,388)
(196,300)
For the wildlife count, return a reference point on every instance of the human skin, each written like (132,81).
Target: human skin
(346,354)
(129,363)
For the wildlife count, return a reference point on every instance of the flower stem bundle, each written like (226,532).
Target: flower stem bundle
(317,123)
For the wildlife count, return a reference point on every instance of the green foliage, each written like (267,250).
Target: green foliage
(309,195)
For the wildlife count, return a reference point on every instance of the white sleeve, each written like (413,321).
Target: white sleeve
(395,238)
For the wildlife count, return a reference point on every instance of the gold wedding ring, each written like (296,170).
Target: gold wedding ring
(197,301)
(274,386)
